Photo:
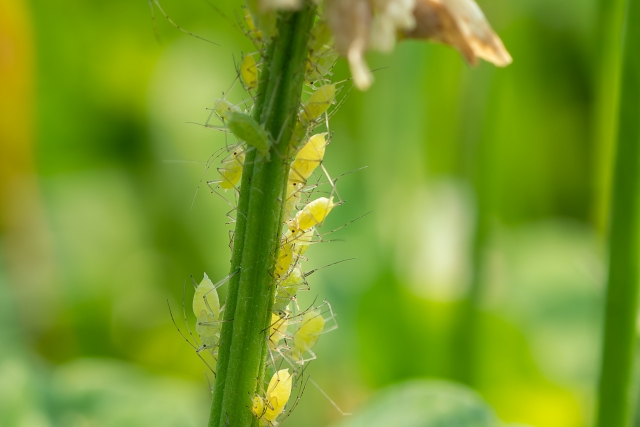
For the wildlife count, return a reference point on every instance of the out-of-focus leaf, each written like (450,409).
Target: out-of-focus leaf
(423,403)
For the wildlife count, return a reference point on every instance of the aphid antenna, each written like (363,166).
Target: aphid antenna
(309,273)
(172,22)
(334,404)
(208,126)
(334,188)
(340,228)
(299,315)
(213,186)
(224,16)
(238,26)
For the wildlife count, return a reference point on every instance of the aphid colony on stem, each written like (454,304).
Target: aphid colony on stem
(293,332)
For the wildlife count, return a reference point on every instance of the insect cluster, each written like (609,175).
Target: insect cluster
(293,331)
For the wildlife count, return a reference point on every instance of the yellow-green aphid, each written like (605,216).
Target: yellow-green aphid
(299,134)
(318,103)
(246,129)
(206,307)
(249,72)
(312,214)
(278,393)
(277,331)
(254,33)
(223,107)
(287,288)
(291,248)
(231,172)
(285,256)
(306,336)
(294,189)
(308,158)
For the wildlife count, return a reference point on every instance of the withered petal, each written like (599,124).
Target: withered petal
(461,24)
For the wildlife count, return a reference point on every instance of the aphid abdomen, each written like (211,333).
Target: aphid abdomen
(318,103)
(311,215)
(307,334)
(249,72)
(308,158)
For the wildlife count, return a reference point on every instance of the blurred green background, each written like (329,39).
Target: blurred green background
(481,262)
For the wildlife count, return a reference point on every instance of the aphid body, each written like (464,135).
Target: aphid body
(312,214)
(318,103)
(249,72)
(277,396)
(231,172)
(308,158)
(307,334)
(277,331)
(206,307)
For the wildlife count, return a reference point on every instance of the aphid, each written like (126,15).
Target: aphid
(253,32)
(312,214)
(294,190)
(318,103)
(305,337)
(246,129)
(206,307)
(277,331)
(285,256)
(287,288)
(249,72)
(231,172)
(291,248)
(268,408)
(308,158)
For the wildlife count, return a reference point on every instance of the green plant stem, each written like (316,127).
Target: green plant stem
(242,352)
(616,392)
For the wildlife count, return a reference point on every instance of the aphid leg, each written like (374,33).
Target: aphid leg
(334,404)
(197,349)
(301,384)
